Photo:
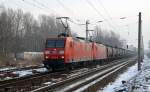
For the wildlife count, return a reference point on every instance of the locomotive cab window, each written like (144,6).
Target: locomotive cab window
(55,43)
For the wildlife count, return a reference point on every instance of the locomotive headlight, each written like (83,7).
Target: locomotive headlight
(47,52)
(46,57)
(62,57)
(61,52)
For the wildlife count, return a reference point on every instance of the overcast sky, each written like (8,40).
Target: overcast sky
(108,11)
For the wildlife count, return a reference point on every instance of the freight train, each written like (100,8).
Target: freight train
(68,52)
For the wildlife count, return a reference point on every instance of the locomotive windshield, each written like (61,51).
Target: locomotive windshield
(55,43)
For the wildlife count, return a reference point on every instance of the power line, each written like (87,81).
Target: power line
(32,4)
(16,4)
(66,8)
(104,8)
(42,5)
(94,8)
(99,1)
(70,12)
(75,22)
(133,23)
(79,24)
(55,11)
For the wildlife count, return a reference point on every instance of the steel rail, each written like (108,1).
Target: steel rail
(91,80)
(68,80)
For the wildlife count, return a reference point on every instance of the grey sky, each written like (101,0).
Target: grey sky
(82,10)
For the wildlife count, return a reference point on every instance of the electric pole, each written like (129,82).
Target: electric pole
(87,23)
(142,49)
(87,30)
(139,42)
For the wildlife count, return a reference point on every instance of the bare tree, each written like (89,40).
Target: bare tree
(105,37)
(6,20)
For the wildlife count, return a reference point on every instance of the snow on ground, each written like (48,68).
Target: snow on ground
(7,68)
(30,72)
(128,74)
(41,70)
(23,73)
(142,81)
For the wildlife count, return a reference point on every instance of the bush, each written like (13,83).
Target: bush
(5,61)
(35,61)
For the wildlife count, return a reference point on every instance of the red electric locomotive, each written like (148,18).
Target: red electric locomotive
(67,51)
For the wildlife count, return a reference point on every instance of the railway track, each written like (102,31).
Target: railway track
(77,82)
(49,81)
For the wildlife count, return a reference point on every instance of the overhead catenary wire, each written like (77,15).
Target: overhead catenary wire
(79,24)
(76,22)
(16,4)
(42,5)
(34,5)
(95,9)
(107,13)
(99,1)
(68,10)
(114,18)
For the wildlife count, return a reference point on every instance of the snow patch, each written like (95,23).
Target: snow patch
(30,72)
(142,81)
(23,73)
(130,72)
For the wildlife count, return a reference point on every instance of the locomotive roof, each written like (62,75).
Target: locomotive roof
(83,39)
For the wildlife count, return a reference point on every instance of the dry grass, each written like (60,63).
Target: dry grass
(23,63)
(7,61)
(37,60)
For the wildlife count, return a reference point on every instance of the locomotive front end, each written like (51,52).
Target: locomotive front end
(54,53)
